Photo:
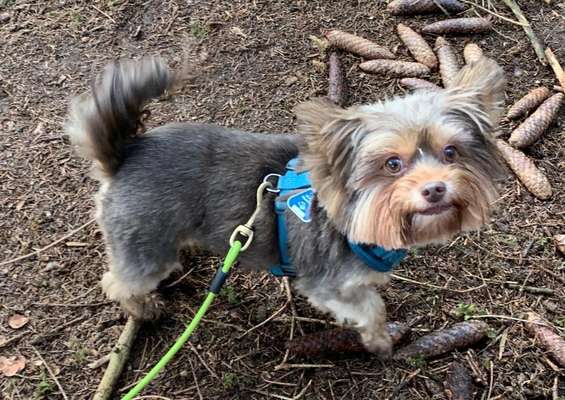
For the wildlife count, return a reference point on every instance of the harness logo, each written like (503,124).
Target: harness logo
(301,203)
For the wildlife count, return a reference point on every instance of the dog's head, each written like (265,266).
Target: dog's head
(412,170)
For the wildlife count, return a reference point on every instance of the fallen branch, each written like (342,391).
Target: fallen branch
(118,358)
(556,67)
(51,374)
(547,337)
(340,340)
(460,335)
(536,44)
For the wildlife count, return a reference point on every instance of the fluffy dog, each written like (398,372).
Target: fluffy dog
(405,172)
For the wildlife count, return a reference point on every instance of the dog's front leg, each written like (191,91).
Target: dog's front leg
(361,307)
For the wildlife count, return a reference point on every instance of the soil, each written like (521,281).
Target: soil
(261,63)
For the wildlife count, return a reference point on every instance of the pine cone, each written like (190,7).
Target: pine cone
(413,7)
(448,64)
(417,45)
(472,53)
(537,123)
(458,26)
(529,102)
(395,68)
(358,45)
(525,169)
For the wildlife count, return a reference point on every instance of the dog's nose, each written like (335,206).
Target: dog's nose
(433,191)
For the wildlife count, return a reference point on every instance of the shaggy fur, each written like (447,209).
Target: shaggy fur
(405,172)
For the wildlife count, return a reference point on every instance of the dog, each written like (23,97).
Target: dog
(409,171)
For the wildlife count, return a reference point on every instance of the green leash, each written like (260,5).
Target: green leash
(236,247)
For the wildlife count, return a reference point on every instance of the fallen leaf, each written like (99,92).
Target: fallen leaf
(560,243)
(16,321)
(10,366)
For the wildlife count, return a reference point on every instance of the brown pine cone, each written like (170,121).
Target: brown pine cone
(524,168)
(418,84)
(529,102)
(395,68)
(472,53)
(357,45)
(417,45)
(537,123)
(413,7)
(458,26)
(448,64)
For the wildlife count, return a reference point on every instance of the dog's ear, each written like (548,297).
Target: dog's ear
(329,135)
(478,94)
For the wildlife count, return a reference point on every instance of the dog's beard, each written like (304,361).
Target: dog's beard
(392,218)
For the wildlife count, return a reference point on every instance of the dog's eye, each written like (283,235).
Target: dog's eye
(393,165)
(450,153)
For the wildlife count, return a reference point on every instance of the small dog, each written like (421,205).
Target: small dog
(405,172)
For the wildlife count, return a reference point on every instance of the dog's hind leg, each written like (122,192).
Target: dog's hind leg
(137,295)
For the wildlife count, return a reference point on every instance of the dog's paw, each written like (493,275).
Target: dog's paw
(145,308)
(377,342)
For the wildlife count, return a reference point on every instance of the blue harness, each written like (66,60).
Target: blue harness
(374,256)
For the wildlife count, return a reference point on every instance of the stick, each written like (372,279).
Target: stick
(118,358)
(68,235)
(337,85)
(51,374)
(557,69)
(536,44)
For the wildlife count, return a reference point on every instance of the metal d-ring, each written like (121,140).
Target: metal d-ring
(274,184)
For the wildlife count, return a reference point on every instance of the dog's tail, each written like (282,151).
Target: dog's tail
(101,123)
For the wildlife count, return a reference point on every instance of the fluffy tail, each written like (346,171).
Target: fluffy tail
(101,123)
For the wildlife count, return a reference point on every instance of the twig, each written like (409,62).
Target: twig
(531,289)
(56,330)
(195,379)
(202,361)
(556,67)
(291,302)
(51,374)
(118,358)
(536,44)
(402,384)
(65,237)
(100,362)
(280,310)
(293,366)
(13,339)
(493,13)
(104,14)
(493,316)
(402,278)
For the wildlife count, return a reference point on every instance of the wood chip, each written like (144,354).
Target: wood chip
(357,45)
(414,7)
(554,343)
(529,102)
(17,321)
(10,366)
(524,168)
(537,123)
(472,53)
(458,336)
(395,68)
(457,26)
(559,241)
(448,64)
(417,45)
(459,383)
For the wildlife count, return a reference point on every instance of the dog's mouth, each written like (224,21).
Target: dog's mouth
(435,210)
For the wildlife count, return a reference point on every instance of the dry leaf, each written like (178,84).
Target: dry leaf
(10,366)
(560,243)
(16,321)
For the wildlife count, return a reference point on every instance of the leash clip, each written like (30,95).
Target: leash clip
(246,230)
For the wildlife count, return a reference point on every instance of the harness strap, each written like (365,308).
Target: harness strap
(374,256)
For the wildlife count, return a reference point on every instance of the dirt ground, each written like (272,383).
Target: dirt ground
(261,64)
